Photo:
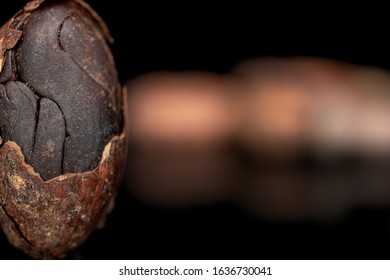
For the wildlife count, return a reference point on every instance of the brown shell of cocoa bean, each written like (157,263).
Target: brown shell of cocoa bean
(49,219)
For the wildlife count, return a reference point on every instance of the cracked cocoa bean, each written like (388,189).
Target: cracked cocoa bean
(60,90)
(61,125)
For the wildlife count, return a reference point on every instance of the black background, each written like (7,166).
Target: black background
(196,36)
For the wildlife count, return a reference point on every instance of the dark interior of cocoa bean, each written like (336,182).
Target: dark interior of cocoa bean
(196,38)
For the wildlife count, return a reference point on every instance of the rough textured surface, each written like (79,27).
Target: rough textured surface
(59,77)
(62,142)
(49,219)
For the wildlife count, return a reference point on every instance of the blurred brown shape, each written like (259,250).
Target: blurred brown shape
(191,108)
(179,125)
(327,106)
(288,139)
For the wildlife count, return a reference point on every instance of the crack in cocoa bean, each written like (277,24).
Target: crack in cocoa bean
(36,125)
(16,226)
(59,31)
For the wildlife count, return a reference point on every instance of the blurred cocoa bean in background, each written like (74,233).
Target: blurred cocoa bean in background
(314,133)
(180,125)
